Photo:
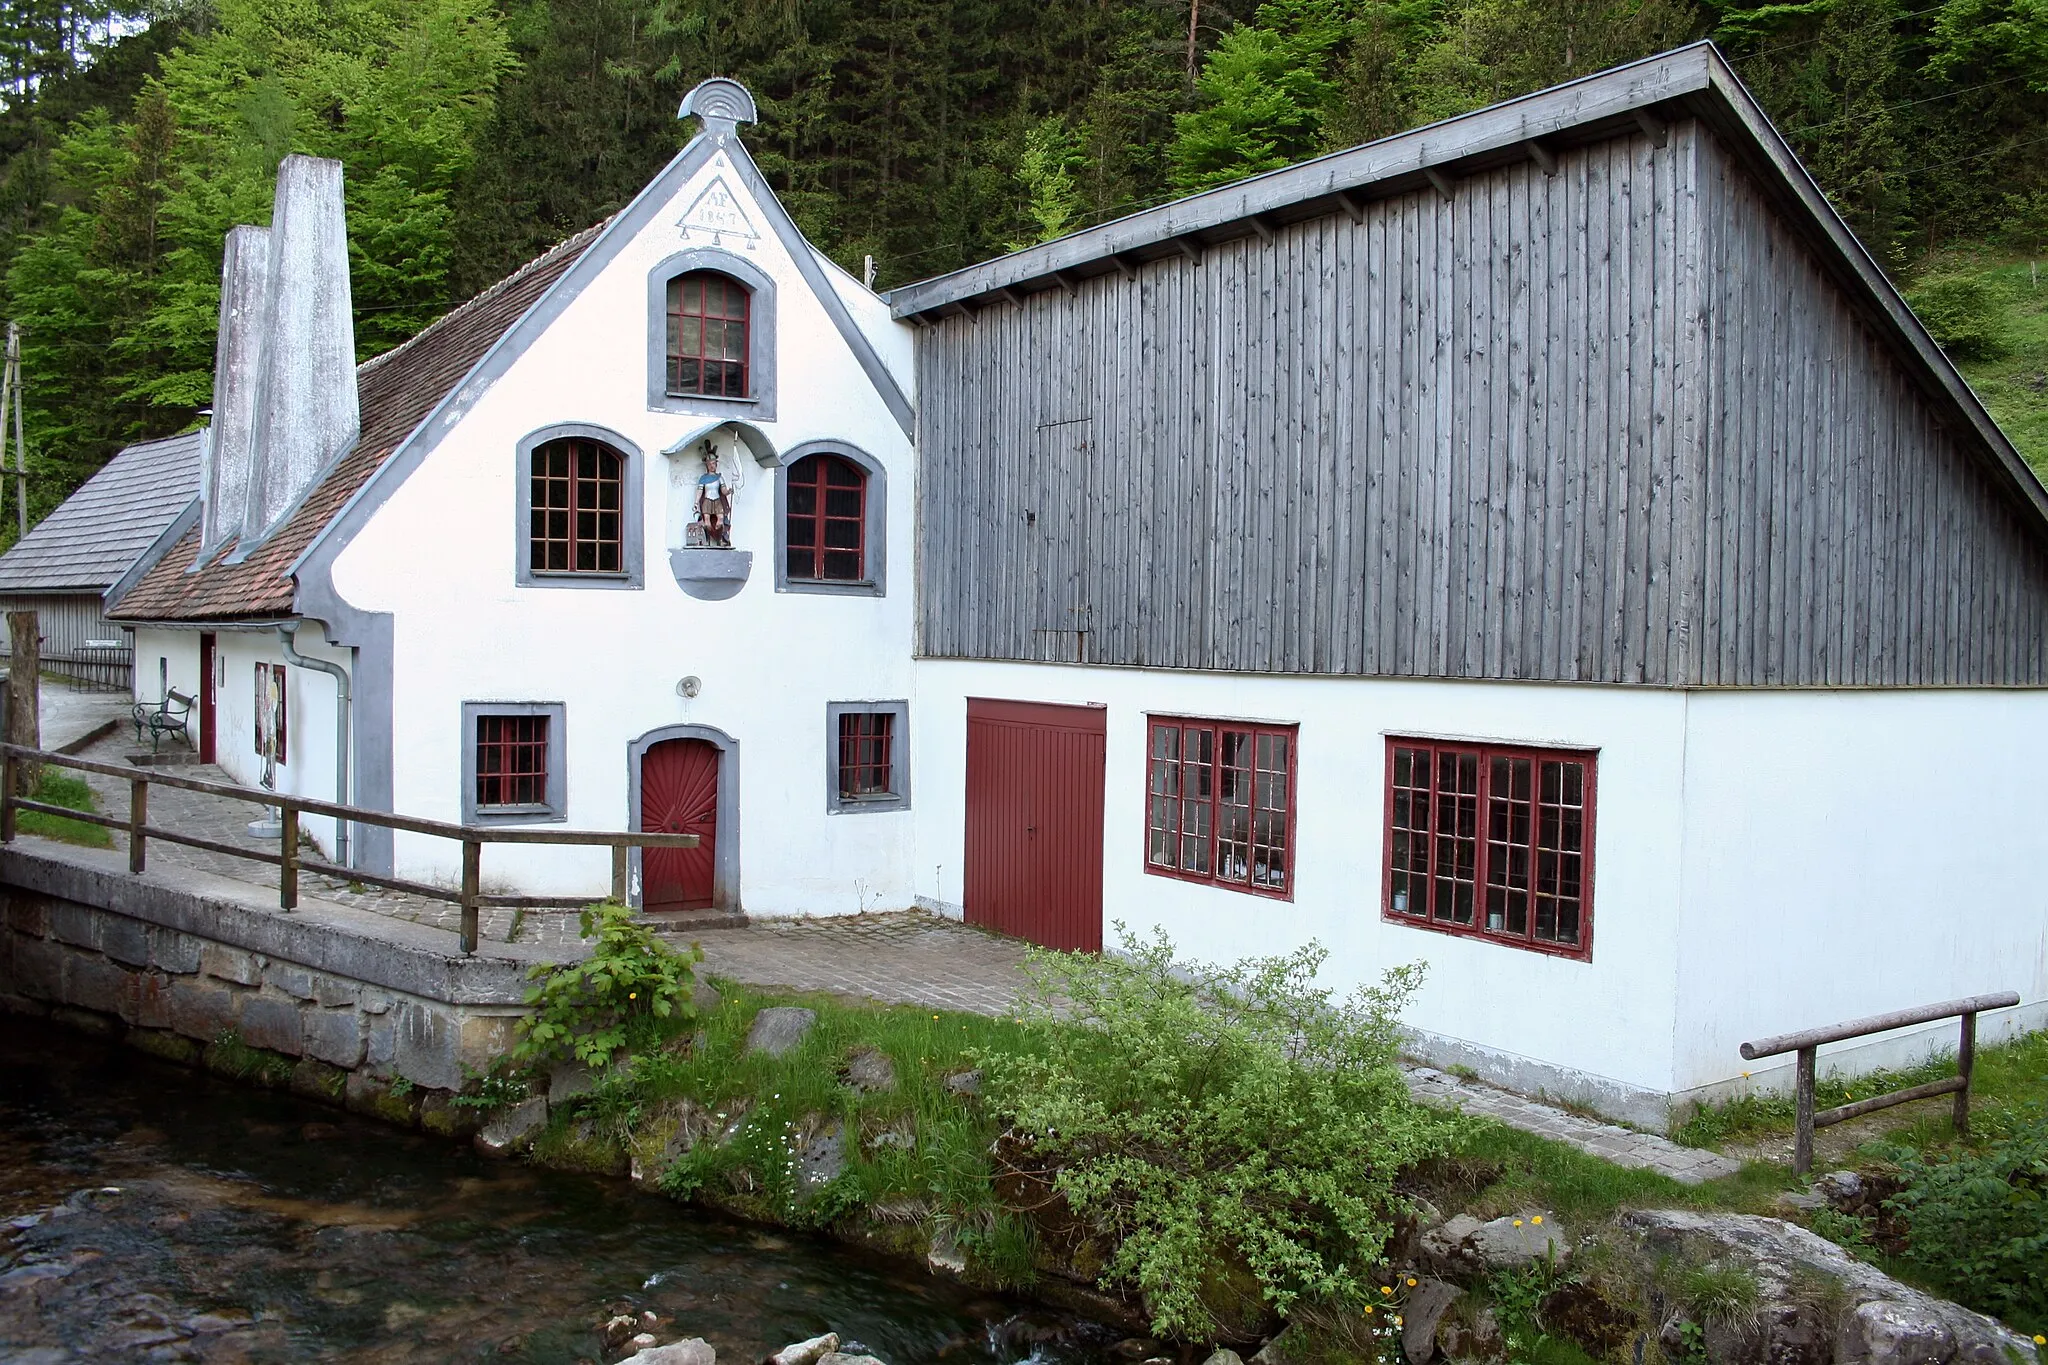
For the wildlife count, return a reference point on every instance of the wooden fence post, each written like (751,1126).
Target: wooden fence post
(7,776)
(288,853)
(621,861)
(1966,1059)
(472,879)
(1802,1099)
(24,692)
(138,820)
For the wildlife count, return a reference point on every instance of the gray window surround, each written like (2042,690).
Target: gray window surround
(759,404)
(725,870)
(631,520)
(555,809)
(875,554)
(899,754)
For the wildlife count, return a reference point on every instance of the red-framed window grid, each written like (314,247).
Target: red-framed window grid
(707,335)
(511,761)
(866,755)
(1493,842)
(1220,803)
(576,525)
(825,531)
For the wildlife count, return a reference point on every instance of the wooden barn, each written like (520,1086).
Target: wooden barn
(1542,543)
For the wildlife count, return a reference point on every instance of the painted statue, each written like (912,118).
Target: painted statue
(714,503)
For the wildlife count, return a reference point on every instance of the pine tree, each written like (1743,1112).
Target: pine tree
(1855,154)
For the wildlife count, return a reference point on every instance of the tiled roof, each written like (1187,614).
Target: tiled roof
(398,390)
(104,526)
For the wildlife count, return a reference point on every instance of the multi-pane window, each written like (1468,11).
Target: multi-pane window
(576,524)
(866,756)
(511,762)
(707,335)
(1220,803)
(1491,841)
(825,527)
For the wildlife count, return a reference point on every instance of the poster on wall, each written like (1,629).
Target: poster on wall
(270,713)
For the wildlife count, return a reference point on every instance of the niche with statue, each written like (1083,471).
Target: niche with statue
(707,473)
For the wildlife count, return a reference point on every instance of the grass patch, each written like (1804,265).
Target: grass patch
(1498,1170)
(59,788)
(2013,385)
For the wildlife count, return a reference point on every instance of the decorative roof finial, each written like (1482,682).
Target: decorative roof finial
(723,104)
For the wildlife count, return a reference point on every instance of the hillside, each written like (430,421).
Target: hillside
(1989,308)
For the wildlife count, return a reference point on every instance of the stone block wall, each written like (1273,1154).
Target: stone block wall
(182,995)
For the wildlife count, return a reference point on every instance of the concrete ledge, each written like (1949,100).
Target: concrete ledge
(335,939)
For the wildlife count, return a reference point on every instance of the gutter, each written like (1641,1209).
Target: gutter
(343,706)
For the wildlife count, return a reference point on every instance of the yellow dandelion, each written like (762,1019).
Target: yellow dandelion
(1538,1220)
(1411,1281)
(1518,1222)
(2040,1340)
(1368,1308)
(1397,1322)
(632,995)
(1386,1289)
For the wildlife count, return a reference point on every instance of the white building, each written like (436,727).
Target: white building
(1542,544)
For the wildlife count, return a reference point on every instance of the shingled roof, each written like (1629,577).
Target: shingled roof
(105,526)
(398,390)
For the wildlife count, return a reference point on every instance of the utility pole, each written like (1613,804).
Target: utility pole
(10,405)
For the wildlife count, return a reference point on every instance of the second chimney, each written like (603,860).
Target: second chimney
(237,363)
(306,414)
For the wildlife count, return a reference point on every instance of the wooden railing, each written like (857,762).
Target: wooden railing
(290,862)
(1808,1044)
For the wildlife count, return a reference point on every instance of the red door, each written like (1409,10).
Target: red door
(206,697)
(1034,821)
(679,795)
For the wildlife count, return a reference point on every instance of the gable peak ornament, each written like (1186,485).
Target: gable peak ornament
(721,104)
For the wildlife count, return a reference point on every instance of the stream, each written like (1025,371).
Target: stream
(149,1212)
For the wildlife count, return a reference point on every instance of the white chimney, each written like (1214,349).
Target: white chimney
(306,414)
(237,361)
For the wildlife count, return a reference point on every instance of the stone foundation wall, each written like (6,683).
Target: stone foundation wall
(340,1024)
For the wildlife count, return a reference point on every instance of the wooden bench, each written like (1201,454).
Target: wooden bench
(171,716)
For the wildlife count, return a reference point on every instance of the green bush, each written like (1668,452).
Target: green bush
(1976,1222)
(1219,1124)
(1963,314)
(628,996)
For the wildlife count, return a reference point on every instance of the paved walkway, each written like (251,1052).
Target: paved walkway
(903,957)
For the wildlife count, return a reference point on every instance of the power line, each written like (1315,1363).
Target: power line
(1904,104)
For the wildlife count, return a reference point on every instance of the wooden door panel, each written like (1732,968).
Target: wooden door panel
(679,795)
(1034,822)
(207,752)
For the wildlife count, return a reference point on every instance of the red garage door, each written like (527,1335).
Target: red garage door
(1034,821)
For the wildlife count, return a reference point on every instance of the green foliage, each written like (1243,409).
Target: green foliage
(499,1089)
(1518,1297)
(1261,99)
(1750,1115)
(1048,173)
(1963,314)
(1976,1221)
(60,788)
(1215,1117)
(1718,1295)
(629,994)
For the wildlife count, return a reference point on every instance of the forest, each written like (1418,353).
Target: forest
(926,134)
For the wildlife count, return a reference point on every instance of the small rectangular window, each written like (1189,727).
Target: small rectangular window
(1491,841)
(868,758)
(1220,803)
(511,762)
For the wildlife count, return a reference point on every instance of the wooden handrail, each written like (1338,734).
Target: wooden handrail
(1807,1044)
(287,860)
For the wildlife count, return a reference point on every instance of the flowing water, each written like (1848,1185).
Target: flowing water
(160,1214)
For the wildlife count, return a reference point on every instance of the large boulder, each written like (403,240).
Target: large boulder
(1464,1247)
(806,1352)
(779,1028)
(1815,1302)
(513,1129)
(694,1351)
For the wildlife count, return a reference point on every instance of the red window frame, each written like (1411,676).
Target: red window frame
(867,755)
(708,342)
(1486,833)
(825,522)
(577,512)
(1193,780)
(511,762)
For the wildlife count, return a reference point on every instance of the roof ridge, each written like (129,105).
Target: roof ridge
(577,240)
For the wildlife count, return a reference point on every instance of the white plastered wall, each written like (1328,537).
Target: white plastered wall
(441,556)
(310,747)
(1598,1031)
(1853,853)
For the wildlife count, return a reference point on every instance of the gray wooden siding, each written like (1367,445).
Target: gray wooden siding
(1506,435)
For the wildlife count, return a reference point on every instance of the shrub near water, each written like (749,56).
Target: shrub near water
(628,995)
(1218,1120)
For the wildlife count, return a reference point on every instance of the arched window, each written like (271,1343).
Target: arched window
(707,335)
(575,520)
(825,523)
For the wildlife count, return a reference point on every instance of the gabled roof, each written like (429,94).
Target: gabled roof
(398,389)
(1689,82)
(98,532)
